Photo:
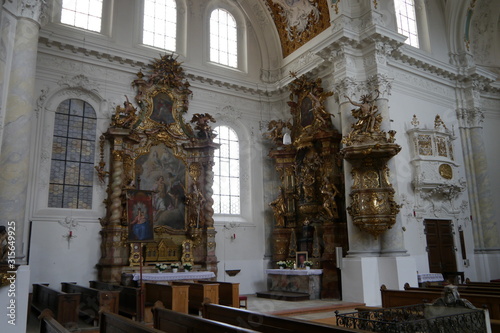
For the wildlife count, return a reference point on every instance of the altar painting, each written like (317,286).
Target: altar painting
(164,174)
(162,109)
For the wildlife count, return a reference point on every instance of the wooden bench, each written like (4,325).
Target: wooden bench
(63,305)
(175,322)
(200,293)
(482,284)
(92,300)
(393,298)
(48,324)
(462,288)
(229,292)
(173,297)
(261,322)
(113,323)
(129,301)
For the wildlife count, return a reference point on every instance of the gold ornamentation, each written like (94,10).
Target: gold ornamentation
(276,131)
(446,171)
(425,145)
(202,126)
(195,170)
(299,22)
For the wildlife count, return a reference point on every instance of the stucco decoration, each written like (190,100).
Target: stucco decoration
(436,181)
(298,21)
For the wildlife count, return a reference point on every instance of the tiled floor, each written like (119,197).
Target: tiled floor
(307,310)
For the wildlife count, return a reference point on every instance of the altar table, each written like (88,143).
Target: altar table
(174,276)
(295,280)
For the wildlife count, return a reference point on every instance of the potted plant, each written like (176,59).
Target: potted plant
(308,264)
(175,267)
(290,264)
(281,264)
(161,267)
(187,266)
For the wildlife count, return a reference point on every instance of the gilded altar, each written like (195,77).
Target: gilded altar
(309,211)
(158,171)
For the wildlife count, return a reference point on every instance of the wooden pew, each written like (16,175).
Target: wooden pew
(175,322)
(48,324)
(229,293)
(482,284)
(173,297)
(64,305)
(462,288)
(261,322)
(130,297)
(92,300)
(393,298)
(200,293)
(113,323)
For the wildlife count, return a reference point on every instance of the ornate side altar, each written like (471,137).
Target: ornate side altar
(308,210)
(159,177)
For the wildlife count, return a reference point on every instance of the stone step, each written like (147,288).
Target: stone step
(283,295)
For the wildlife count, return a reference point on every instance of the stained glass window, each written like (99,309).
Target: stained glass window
(223,38)
(72,167)
(160,24)
(406,20)
(226,186)
(86,14)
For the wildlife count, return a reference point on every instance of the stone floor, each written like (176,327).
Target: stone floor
(314,310)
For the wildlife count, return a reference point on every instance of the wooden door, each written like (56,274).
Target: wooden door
(440,246)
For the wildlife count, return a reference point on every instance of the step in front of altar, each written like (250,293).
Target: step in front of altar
(283,295)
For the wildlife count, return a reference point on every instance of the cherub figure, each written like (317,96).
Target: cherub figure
(202,124)
(368,117)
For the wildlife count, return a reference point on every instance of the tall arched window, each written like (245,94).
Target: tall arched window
(223,38)
(407,20)
(160,24)
(85,14)
(226,172)
(72,165)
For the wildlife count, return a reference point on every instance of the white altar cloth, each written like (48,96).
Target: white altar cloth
(174,276)
(295,271)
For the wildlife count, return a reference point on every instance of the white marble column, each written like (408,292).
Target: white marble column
(483,211)
(19,81)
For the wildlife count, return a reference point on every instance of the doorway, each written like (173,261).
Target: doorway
(440,246)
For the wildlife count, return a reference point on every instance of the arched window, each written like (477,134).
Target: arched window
(407,21)
(72,165)
(226,172)
(223,38)
(160,24)
(85,14)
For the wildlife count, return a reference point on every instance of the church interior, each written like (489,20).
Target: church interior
(302,148)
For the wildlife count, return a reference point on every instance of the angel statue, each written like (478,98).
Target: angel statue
(125,116)
(368,117)
(202,126)
(276,131)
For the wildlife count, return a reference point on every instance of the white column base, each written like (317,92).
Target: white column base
(362,277)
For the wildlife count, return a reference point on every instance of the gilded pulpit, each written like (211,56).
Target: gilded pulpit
(159,178)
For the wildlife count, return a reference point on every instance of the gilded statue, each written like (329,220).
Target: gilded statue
(276,133)
(279,209)
(329,192)
(202,125)
(321,116)
(125,116)
(367,114)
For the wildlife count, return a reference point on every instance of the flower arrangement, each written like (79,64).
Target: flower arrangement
(281,263)
(308,263)
(161,267)
(187,266)
(290,264)
(174,265)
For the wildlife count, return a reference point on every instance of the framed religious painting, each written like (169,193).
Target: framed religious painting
(140,215)
(301,258)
